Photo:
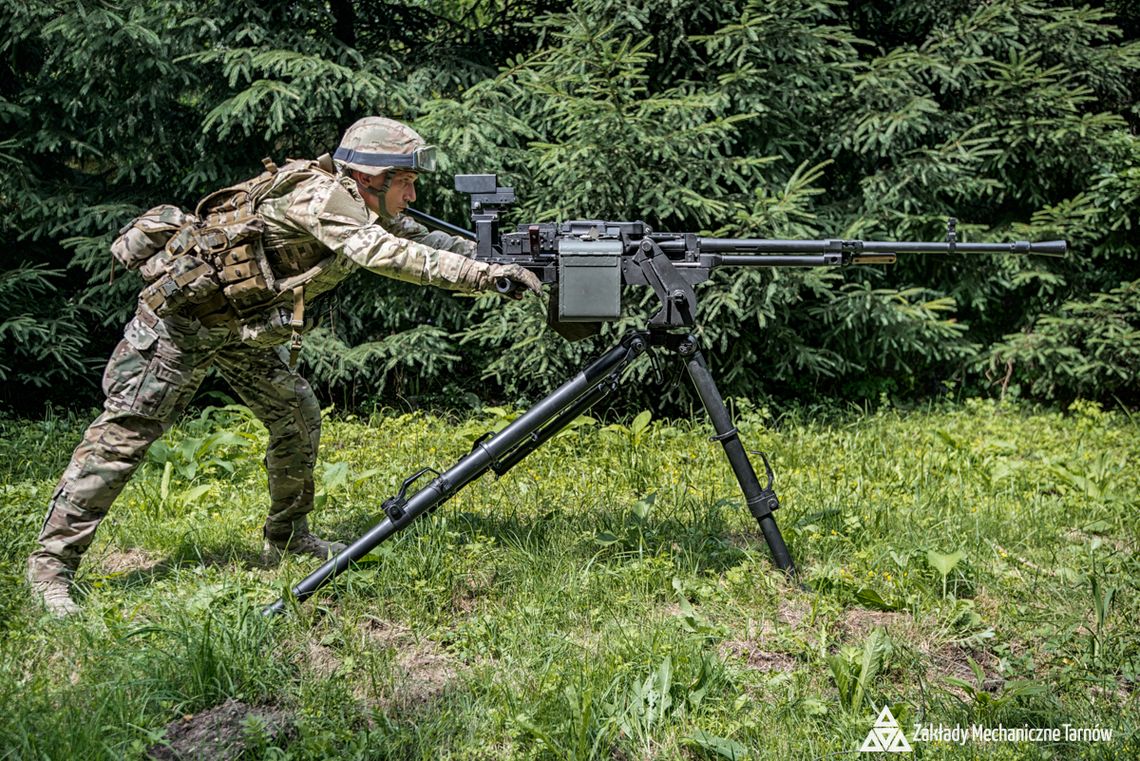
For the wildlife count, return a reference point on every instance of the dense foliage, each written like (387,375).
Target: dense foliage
(787,118)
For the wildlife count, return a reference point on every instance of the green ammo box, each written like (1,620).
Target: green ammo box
(589,280)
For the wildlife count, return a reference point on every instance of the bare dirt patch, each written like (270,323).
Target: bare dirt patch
(756,658)
(223,733)
(427,674)
(1082,537)
(1118,695)
(793,612)
(462,603)
(322,660)
(857,623)
(133,560)
(952,660)
(386,633)
(938,658)
(465,595)
(422,672)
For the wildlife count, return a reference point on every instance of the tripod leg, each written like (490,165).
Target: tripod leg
(510,444)
(761,502)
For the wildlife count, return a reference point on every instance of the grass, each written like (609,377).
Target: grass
(609,598)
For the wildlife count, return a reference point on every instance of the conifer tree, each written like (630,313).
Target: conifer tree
(774,118)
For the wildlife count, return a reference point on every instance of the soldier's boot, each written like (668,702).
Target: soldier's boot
(303,542)
(65,536)
(51,586)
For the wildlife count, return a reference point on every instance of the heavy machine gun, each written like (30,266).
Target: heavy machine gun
(588,264)
(589,261)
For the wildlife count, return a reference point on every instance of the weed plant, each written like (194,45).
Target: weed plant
(609,598)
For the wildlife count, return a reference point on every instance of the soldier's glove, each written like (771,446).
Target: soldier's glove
(511,279)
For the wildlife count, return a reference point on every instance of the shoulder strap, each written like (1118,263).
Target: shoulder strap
(245,196)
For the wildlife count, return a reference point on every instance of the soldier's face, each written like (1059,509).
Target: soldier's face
(400,193)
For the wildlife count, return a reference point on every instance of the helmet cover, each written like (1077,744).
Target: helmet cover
(376,144)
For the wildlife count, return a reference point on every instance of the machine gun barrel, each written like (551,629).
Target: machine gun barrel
(760,252)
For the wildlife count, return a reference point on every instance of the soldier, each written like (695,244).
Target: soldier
(312,224)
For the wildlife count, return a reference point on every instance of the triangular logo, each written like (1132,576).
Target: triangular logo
(899,744)
(886,736)
(873,743)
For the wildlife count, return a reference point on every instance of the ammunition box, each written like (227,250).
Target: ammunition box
(589,279)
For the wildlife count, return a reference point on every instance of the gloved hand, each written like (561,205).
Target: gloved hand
(515,274)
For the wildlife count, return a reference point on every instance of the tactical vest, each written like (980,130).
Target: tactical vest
(214,265)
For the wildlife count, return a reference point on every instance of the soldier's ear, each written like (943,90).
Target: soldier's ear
(365,180)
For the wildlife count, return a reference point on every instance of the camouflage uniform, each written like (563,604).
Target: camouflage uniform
(156,368)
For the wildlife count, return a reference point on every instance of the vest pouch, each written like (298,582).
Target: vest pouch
(247,281)
(187,280)
(223,233)
(269,327)
(239,255)
(233,273)
(159,264)
(147,234)
(290,259)
(249,295)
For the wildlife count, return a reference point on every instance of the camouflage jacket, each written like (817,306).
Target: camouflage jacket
(311,209)
(318,230)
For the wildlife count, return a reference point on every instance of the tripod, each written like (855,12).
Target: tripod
(501,451)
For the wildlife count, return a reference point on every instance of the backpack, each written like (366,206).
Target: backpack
(211,264)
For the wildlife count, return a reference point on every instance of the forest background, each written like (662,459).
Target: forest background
(766,118)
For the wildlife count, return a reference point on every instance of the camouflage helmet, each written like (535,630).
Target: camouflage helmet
(375,144)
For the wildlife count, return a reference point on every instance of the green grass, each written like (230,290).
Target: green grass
(609,598)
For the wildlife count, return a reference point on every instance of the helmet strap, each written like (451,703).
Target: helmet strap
(380,192)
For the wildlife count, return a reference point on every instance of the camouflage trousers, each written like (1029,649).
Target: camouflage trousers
(151,377)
